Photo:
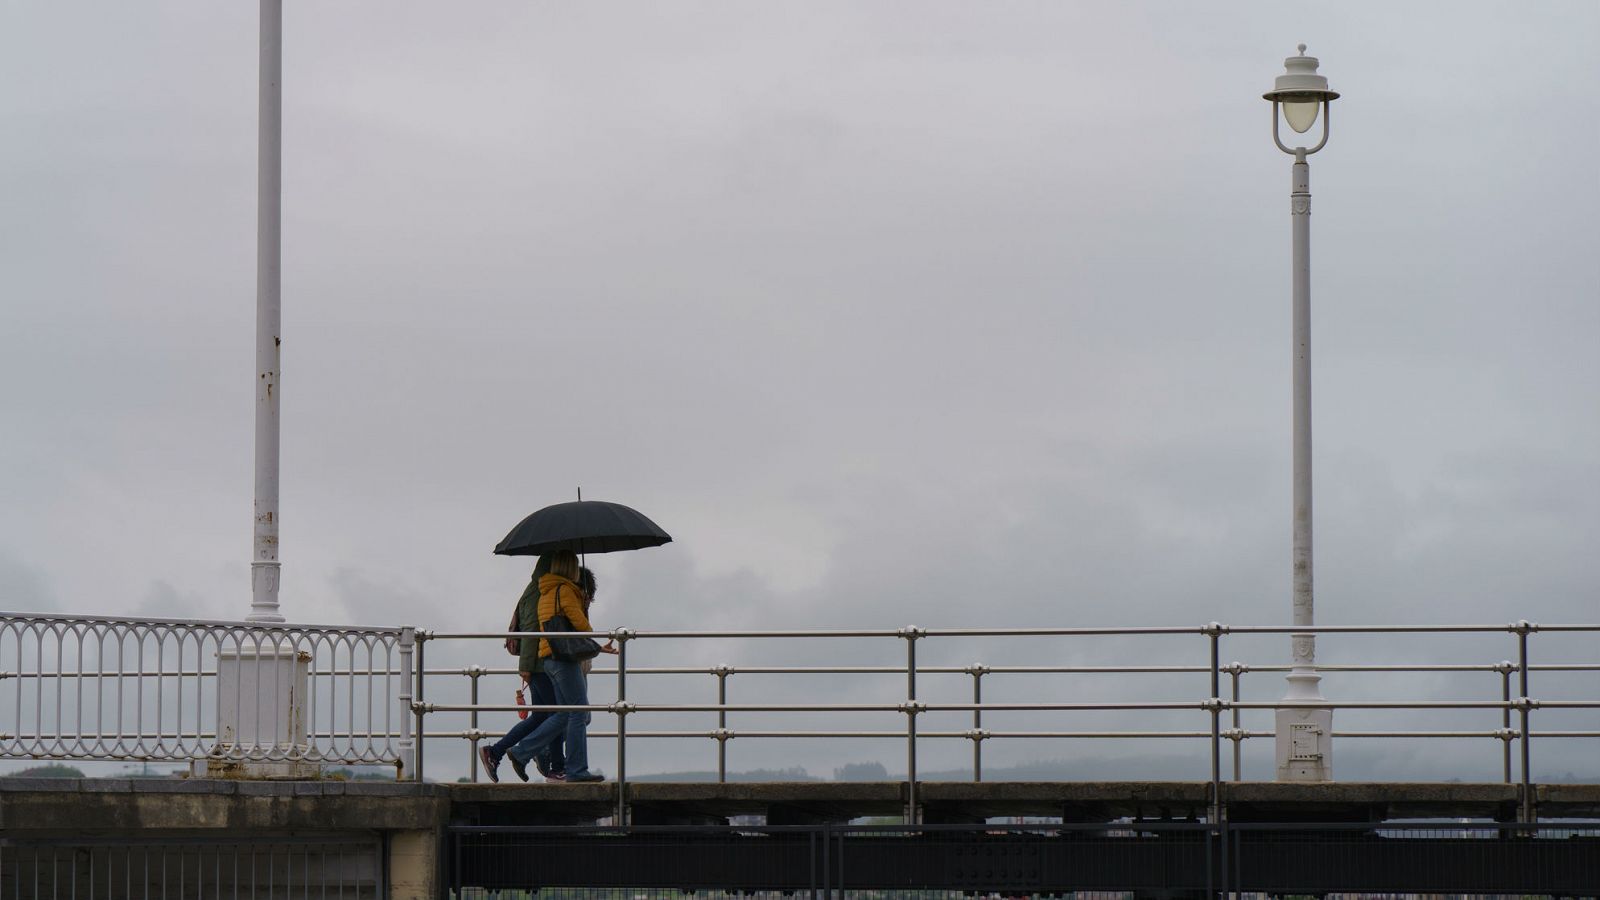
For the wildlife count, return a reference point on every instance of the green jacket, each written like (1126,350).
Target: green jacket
(528,620)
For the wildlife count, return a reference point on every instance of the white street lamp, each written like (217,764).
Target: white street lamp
(261,685)
(1304,735)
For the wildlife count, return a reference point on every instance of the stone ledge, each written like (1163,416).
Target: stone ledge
(45,784)
(61,806)
(173,786)
(49,804)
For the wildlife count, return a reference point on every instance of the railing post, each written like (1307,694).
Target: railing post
(473,672)
(722,672)
(1524,703)
(621,636)
(1506,667)
(977,670)
(911,707)
(1214,631)
(456,873)
(417,700)
(1235,669)
(827,868)
(408,752)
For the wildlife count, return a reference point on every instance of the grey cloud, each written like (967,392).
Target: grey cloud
(162,600)
(23,588)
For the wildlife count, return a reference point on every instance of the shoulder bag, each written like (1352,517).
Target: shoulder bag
(567,649)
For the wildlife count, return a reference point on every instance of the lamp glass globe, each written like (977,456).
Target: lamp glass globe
(1301,114)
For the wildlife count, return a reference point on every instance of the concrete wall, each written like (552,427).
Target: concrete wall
(271,838)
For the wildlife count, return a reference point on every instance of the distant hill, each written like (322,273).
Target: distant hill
(54,770)
(365,773)
(794,774)
(1569,778)
(872,771)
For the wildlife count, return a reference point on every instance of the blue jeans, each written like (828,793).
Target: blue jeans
(570,691)
(541,692)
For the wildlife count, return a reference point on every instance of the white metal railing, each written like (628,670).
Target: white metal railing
(98,688)
(1505,736)
(1210,708)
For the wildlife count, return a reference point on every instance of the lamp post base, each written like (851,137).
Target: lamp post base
(1304,734)
(262,712)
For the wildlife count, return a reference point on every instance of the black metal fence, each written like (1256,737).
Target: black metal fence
(192,868)
(1126,859)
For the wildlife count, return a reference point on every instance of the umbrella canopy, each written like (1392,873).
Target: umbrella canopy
(582,526)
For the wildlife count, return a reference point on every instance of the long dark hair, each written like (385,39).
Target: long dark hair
(588,584)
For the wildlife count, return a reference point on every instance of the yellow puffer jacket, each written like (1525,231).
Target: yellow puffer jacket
(571,605)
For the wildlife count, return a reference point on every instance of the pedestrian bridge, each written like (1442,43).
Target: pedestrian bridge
(424,840)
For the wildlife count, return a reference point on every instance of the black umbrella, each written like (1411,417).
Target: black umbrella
(582,526)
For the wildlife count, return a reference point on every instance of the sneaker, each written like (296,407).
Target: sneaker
(555,777)
(518,766)
(580,779)
(491,763)
(541,764)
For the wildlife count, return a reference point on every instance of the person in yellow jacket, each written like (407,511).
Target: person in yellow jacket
(552,764)
(559,593)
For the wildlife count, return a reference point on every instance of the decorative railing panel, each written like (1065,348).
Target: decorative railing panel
(93,688)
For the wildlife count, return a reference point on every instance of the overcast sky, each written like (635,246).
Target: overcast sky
(936,313)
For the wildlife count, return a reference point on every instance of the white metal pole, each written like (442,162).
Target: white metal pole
(264,566)
(1304,645)
(1303,735)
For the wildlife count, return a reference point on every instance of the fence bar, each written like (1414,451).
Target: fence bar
(1214,633)
(925,670)
(977,722)
(1505,719)
(1234,671)
(911,633)
(418,703)
(622,636)
(1388,704)
(409,734)
(1522,629)
(722,673)
(883,670)
(473,672)
(1107,706)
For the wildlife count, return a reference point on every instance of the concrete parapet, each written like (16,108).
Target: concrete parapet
(90,806)
(71,804)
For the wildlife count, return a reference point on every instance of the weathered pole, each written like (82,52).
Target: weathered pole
(264,565)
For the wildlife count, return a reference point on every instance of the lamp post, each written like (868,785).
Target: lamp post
(1304,735)
(264,566)
(262,683)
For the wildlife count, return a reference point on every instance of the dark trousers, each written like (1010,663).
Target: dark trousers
(541,692)
(571,690)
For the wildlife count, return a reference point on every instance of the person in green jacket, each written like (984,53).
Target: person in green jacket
(541,692)
(559,593)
